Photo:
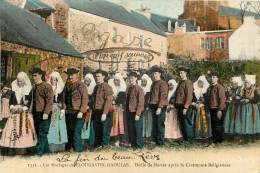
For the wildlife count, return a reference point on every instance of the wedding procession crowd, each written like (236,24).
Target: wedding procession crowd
(126,112)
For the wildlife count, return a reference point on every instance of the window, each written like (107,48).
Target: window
(220,43)
(202,44)
(161,46)
(141,41)
(114,34)
(128,38)
(140,64)
(114,64)
(209,43)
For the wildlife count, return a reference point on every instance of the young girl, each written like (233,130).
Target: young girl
(119,99)
(202,122)
(145,83)
(172,129)
(57,136)
(90,84)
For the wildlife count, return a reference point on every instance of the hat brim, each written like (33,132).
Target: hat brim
(103,73)
(70,73)
(39,72)
(156,70)
(137,76)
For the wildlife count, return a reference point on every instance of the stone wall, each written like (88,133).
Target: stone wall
(49,61)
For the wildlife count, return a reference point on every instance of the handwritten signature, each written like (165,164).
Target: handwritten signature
(143,156)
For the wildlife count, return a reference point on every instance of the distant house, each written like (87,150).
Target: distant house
(167,24)
(201,45)
(244,43)
(213,15)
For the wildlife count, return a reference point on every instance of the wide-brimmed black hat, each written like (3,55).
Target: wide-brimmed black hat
(38,70)
(156,69)
(183,69)
(132,73)
(71,71)
(213,73)
(101,71)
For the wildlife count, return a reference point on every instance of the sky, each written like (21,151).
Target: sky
(171,8)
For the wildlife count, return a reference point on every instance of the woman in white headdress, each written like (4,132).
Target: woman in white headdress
(172,127)
(119,99)
(248,118)
(145,83)
(57,136)
(90,83)
(234,94)
(19,132)
(202,122)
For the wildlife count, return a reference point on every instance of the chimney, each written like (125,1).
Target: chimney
(179,30)
(198,28)
(144,11)
(169,25)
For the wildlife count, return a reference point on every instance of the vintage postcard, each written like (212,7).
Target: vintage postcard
(130,86)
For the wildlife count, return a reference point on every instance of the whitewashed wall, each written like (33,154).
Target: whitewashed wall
(244,43)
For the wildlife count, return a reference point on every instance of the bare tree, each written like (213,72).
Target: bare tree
(243,8)
(255,6)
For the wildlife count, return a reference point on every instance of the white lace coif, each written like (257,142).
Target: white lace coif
(238,80)
(174,83)
(122,85)
(92,83)
(199,91)
(60,84)
(147,88)
(25,90)
(250,78)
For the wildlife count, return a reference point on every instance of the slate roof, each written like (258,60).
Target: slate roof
(162,22)
(114,12)
(24,28)
(34,5)
(235,12)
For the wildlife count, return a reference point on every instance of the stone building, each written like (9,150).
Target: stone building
(28,42)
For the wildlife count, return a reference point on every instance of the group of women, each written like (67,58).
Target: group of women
(17,127)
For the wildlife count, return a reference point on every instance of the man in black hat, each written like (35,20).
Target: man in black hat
(76,103)
(158,104)
(216,104)
(134,109)
(102,114)
(41,102)
(183,101)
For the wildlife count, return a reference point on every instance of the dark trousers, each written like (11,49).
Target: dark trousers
(135,129)
(74,129)
(186,123)
(101,129)
(158,129)
(42,130)
(217,126)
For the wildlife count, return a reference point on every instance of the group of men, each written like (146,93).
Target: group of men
(76,100)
